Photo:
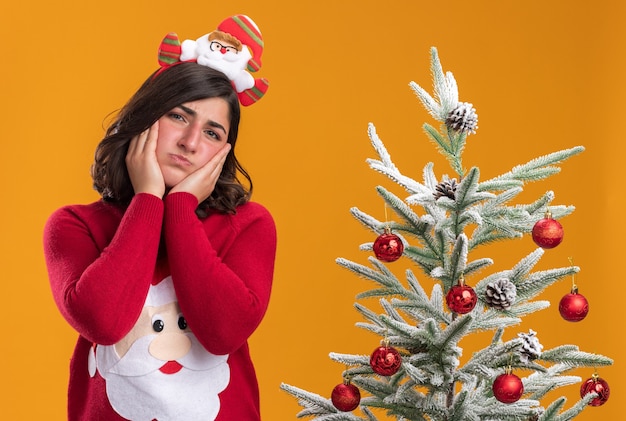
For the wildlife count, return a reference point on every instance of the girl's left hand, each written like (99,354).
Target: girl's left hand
(201,182)
(142,165)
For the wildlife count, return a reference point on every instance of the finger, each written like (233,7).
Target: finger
(151,135)
(216,163)
(136,143)
(132,146)
(216,166)
(223,153)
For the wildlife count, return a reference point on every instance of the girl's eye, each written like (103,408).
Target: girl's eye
(212,134)
(176,116)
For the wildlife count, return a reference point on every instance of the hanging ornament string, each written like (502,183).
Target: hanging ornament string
(388,247)
(571,263)
(386,218)
(573,307)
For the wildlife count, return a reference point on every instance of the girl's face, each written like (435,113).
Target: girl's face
(189,136)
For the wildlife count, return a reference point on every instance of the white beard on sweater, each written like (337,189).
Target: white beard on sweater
(138,391)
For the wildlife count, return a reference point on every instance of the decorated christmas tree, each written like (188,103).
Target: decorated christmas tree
(416,373)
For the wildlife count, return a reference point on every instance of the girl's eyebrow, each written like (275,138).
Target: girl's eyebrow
(211,123)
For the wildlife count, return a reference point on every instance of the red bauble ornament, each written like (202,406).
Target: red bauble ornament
(507,388)
(388,247)
(598,385)
(385,360)
(346,396)
(547,232)
(461,299)
(573,306)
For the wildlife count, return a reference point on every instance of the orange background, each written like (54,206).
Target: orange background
(543,76)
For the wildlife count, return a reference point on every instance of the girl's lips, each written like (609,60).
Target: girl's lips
(180,159)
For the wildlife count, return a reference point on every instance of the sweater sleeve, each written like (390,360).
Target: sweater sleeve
(100,271)
(223,293)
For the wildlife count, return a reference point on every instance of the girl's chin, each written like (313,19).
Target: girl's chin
(172,181)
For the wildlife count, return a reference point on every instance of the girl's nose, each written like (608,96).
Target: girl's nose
(190,139)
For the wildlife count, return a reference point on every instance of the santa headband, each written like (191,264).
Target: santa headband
(234,49)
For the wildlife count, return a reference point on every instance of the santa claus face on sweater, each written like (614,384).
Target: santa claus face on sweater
(159,370)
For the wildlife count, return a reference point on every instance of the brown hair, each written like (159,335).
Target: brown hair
(223,36)
(172,87)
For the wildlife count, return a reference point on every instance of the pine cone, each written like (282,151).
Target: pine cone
(531,348)
(500,294)
(463,118)
(445,188)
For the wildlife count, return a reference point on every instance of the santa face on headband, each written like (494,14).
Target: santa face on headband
(159,370)
(223,52)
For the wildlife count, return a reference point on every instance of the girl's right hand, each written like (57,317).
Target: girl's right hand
(143,168)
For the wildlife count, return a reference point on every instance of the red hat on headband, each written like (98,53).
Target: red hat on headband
(245,30)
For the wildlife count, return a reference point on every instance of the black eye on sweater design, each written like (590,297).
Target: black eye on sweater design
(182,323)
(158,325)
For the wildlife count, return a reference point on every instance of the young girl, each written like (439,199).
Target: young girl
(169,274)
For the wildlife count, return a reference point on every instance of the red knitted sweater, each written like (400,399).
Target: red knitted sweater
(102,261)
